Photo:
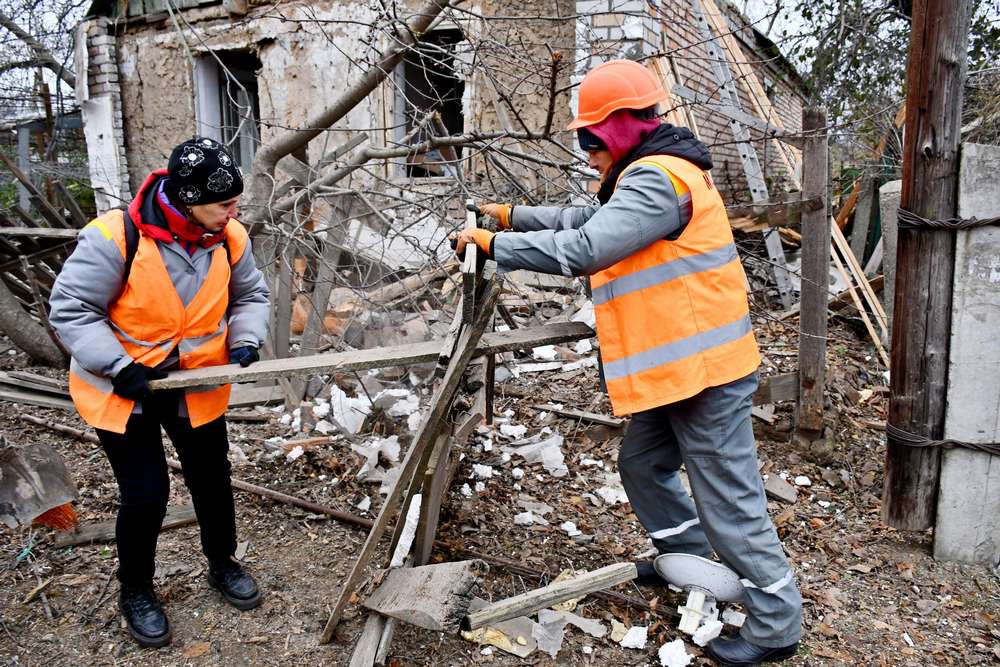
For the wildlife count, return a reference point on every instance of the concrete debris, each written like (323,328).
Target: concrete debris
(586,362)
(545,353)
(635,637)
(532,505)
(586,315)
(548,452)
(525,519)
(482,471)
(673,654)
(514,431)
(364,504)
(734,618)
(539,367)
(348,411)
(612,493)
(517,473)
(618,631)
(296,452)
(591,626)
(592,462)
(779,489)
(397,402)
(802,480)
(583,346)
(550,630)
(480,487)
(323,427)
(708,631)
(387,447)
(466,490)
(570,528)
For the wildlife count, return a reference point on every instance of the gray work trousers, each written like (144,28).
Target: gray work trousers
(712,435)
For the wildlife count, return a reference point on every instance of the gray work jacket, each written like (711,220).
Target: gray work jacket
(582,240)
(91,279)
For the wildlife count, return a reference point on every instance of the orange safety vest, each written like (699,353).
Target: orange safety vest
(149,319)
(673,318)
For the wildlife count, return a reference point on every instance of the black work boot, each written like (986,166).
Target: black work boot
(738,652)
(144,616)
(648,576)
(235,584)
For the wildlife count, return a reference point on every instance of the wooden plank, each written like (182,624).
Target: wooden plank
(469,267)
(32,398)
(14,379)
(381,357)
(104,531)
(40,232)
(434,597)
(541,598)
(858,275)
(815,276)
(968,507)
(368,641)
(589,417)
(889,205)
(79,217)
(431,496)
(861,309)
(55,385)
(41,203)
(871,266)
(777,389)
(439,407)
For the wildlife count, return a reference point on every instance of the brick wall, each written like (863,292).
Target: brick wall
(99,90)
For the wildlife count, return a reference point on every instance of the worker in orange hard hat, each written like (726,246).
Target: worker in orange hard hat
(677,346)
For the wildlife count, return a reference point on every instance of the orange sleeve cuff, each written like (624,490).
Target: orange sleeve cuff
(503,221)
(483,239)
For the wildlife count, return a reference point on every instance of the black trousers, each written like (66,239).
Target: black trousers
(140,467)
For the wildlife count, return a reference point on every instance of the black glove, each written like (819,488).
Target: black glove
(244,356)
(132,382)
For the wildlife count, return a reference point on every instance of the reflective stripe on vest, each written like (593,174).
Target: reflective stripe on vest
(150,321)
(673,318)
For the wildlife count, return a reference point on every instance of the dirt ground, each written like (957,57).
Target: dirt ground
(873,595)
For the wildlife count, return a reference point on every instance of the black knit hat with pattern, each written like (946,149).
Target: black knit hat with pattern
(202,171)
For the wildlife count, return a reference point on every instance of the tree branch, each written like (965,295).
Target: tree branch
(42,54)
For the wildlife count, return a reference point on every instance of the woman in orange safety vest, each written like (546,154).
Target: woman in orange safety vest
(169,283)
(677,345)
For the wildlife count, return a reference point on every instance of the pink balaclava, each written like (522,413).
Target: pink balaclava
(622,131)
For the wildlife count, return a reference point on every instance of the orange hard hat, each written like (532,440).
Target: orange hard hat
(614,85)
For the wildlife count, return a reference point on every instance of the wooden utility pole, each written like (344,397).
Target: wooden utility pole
(815,273)
(925,259)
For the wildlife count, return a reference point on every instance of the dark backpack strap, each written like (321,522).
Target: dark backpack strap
(131,244)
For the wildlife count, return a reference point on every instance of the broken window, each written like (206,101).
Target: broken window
(428,81)
(228,105)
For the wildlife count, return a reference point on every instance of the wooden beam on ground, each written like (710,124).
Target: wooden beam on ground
(381,357)
(439,407)
(33,398)
(541,598)
(366,647)
(434,597)
(815,276)
(105,530)
(589,417)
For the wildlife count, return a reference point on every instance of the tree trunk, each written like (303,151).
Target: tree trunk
(26,333)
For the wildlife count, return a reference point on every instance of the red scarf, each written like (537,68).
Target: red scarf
(179,227)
